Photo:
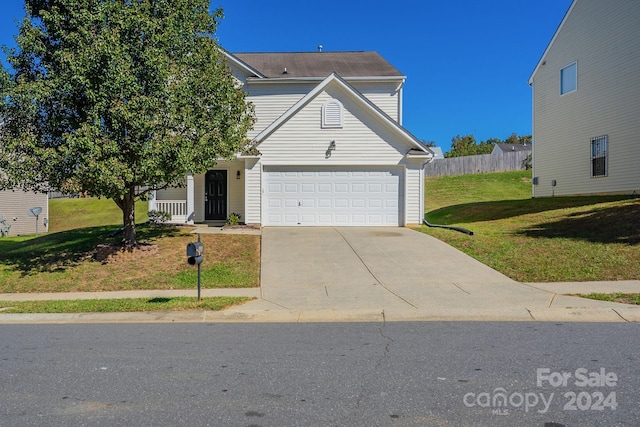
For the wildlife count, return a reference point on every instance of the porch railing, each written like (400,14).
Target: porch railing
(177,209)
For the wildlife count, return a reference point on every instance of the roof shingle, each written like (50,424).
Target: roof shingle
(319,64)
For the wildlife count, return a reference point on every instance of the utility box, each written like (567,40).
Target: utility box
(195,252)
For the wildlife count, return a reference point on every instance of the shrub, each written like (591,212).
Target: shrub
(159,217)
(233,219)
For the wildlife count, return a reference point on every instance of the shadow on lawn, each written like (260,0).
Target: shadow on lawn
(59,251)
(497,210)
(620,224)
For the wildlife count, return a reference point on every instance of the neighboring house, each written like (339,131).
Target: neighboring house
(328,148)
(510,148)
(586,102)
(437,153)
(14,212)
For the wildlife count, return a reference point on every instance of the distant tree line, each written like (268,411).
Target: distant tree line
(468,146)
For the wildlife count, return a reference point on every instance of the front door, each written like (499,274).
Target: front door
(215,197)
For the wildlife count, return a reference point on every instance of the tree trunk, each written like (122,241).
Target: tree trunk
(128,206)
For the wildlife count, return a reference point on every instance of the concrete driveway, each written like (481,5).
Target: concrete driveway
(397,271)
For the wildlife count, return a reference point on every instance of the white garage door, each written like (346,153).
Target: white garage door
(328,197)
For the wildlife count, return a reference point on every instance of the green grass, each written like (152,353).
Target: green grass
(615,297)
(65,260)
(536,240)
(69,214)
(121,305)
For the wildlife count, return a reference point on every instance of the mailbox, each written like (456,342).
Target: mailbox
(195,252)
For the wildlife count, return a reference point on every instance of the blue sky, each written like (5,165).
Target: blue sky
(467,62)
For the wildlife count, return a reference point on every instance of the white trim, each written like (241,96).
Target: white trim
(422,189)
(400,169)
(366,79)
(316,163)
(576,78)
(553,39)
(153,195)
(241,64)
(191,211)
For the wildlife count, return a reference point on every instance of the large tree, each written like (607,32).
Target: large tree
(115,98)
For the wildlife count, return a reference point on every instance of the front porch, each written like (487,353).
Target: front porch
(207,198)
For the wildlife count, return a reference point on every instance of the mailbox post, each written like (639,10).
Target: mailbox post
(195,252)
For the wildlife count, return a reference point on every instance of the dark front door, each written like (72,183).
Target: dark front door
(215,196)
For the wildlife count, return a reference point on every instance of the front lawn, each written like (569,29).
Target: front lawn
(536,240)
(73,260)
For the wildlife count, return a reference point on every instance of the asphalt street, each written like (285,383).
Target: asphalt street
(321,374)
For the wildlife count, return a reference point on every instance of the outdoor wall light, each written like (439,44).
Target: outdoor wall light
(332,147)
(238,175)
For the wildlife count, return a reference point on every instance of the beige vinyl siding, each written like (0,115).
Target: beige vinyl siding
(270,101)
(16,204)
(363,139)
(604,39)
(383,95)
(253,191)
(273,100)
(413,201)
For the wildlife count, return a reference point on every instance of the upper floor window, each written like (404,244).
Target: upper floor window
(569,78)
(599,155)
(332,115)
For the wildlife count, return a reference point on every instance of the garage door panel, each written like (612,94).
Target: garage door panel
(358,187)
(324,187)
(375,203)
(329,197)
(341,203)
(290,203)
(341,187)
(358,203)
(325,203)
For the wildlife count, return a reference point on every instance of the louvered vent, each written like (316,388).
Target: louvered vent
(332,114)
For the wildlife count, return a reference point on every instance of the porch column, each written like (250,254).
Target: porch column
(190,199)
(152,201)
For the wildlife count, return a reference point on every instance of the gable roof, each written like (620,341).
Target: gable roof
(318,64)
(507,148)
(417,148)
(553,39)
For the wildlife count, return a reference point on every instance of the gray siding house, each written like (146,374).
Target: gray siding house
(14,208)
(586,102)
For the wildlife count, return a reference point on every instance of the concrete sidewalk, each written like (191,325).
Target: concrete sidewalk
(555,306)
(370,274)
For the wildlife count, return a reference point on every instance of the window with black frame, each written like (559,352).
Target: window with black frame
(599,152)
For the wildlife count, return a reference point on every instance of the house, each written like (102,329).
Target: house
(500,149)
(14,212)
(328,148)
(437,153)
(586,102)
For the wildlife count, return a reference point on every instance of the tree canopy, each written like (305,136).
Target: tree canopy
(467,145)
(115,98)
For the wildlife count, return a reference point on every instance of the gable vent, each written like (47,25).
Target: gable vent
(332,115)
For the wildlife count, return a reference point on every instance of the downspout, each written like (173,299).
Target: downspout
(448,227)
(399,92)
